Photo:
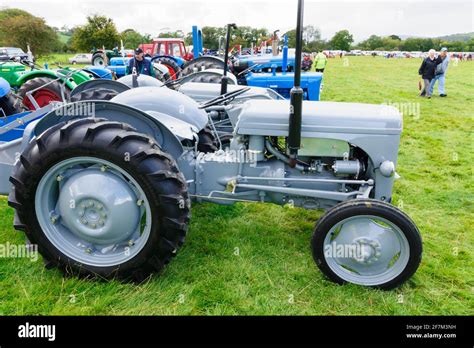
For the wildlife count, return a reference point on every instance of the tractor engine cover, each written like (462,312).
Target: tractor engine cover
(270,118)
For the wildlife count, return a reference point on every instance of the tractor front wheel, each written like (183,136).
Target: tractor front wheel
(367,242)
(100,199)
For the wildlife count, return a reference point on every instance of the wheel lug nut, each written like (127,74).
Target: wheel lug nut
(81,213)
(93,225)
(59,178)
(131,243)
(103,168)
(84,221)
(100,206)
(139,202)
(89,250)
(101,223)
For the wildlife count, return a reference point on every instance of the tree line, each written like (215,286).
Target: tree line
(19,28)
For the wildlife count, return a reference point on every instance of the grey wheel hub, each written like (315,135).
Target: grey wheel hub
(93,211)
(366,250)
(98,207)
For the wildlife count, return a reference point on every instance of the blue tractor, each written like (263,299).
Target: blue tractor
(252,70)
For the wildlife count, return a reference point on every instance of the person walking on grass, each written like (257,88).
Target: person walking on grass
(321,61)
(427,72)
(440,72)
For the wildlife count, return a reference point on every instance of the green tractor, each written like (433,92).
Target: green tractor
(43,84)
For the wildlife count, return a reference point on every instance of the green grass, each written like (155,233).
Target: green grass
(273,272)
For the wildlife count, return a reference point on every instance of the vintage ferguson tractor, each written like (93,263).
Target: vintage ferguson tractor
(104,188)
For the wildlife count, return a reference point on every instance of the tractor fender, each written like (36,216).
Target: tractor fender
(100,83)
(42,73)
(4,87)
(165,101)
(142,121)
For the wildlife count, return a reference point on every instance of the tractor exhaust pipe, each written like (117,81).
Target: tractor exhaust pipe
(225,79)
(296,94)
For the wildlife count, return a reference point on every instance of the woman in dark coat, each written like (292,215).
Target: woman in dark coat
(427,72)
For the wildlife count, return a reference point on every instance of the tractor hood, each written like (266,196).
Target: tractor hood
(263,117)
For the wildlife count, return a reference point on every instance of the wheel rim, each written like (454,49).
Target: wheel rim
(42,97)
(99,61)
(366,250)
(172,72)
(93,211)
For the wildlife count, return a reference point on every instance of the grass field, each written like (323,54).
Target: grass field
(255,259)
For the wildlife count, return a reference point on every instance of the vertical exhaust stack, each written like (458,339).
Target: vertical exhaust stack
(296,94)
(225,79)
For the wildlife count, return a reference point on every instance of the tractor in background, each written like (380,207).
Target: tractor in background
(252,71)
(48,85)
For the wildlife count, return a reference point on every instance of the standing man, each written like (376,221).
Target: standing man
(321,61)
(140,64)
(427,72)
(440,73)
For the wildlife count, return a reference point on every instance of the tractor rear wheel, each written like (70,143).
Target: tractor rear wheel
(43,96)
(100,199)
(94,94)
(98,59)
(367,242)
(173,67)
(200,64)
(207,141)
(9,106)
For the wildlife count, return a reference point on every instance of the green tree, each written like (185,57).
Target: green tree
(342,40)
(131,38)
(19,29)
(99,31)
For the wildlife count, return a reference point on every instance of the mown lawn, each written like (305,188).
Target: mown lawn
(255,259)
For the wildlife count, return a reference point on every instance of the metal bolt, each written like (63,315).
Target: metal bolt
(100,206)
(89,250)
(101,222)
(103,168)
(131,242)
(81,213)
(103,215)
(84,221)
(93,225)
(139,202)
(54,219)
(59,178)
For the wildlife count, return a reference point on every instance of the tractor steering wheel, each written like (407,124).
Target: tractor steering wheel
(223,98)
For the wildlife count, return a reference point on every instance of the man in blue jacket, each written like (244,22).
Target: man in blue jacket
(140,64)
(440,73)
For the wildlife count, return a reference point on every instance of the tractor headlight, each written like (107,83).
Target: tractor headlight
(387,168)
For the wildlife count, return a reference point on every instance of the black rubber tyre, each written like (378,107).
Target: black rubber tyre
(367,207)
(94,94)
(51,92)
(9,106)
(170,63)
(201,63)
(207,141)
(97,58)
(154,170)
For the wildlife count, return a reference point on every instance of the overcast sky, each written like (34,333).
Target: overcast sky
(361,18)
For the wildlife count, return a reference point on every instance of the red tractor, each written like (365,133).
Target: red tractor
(171,52)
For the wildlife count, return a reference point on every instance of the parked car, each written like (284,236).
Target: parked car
(13,52)
(81,58)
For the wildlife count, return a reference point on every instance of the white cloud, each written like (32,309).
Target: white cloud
(361,18)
